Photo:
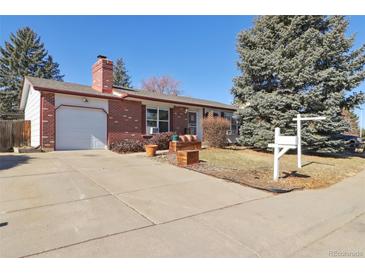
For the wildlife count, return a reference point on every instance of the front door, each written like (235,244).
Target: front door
(192,122)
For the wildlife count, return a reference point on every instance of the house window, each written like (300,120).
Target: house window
(234,125)
(233,122)
(163,120)
(157,118)
(211,113)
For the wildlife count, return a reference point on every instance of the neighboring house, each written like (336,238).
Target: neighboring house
(72,116)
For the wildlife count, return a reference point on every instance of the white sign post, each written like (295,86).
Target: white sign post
(289,142)
(284,143)
(299,134)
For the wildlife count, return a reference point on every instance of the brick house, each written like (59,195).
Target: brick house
(72,116)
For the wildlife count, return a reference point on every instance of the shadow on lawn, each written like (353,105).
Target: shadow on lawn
(294,174)
(344,155)
(319,163)
(10,161)
(339,155)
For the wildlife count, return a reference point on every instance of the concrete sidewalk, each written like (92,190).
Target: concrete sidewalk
(101,204)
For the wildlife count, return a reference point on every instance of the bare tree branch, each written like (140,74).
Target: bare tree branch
(164,84)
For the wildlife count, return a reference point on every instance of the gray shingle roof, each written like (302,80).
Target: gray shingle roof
(65,86)
(178,99)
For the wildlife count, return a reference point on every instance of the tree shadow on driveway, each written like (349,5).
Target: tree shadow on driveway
(10,161)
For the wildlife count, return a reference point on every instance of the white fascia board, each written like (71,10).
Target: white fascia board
(25,92)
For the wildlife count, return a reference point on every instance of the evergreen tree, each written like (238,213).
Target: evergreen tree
(120,74)
(8,101)
(297,64)
(23,55)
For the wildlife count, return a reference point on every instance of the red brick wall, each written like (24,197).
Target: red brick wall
(48,121)
(179,120)
(125,120)
(102,73)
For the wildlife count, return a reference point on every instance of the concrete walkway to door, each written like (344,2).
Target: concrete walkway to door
(102,204)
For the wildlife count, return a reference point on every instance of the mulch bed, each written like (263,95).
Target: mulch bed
(253,178)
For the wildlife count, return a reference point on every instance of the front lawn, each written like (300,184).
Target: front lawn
(254,168)
(249,167)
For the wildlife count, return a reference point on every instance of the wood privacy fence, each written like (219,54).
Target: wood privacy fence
(14,133)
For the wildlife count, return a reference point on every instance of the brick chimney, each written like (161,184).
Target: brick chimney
(103,75)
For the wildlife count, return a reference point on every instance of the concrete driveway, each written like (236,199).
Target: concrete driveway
(102,204)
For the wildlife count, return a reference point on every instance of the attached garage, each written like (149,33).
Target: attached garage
(80,128)
(80,122)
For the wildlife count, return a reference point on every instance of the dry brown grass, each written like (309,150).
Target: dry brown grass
(254,168)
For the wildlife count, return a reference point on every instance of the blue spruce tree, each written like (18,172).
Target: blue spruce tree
(297,64)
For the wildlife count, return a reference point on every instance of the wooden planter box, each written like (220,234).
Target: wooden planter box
(187,157)
(177,146)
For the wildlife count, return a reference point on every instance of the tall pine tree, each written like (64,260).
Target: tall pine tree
(120,74)
(297,64)
(23,55)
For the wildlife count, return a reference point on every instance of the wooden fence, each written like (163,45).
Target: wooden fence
(14,133)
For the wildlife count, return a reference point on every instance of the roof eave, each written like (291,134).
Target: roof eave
(77,93)
(177,102)
(168,100)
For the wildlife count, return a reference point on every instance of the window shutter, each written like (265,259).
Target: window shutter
(143,122)
(171,119)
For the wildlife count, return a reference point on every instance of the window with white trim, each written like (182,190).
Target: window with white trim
(157,118)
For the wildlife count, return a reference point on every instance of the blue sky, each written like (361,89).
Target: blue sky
(199,51)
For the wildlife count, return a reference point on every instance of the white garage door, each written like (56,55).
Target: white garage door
(80,128)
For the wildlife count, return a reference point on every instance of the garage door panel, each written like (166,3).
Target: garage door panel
(80,128)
